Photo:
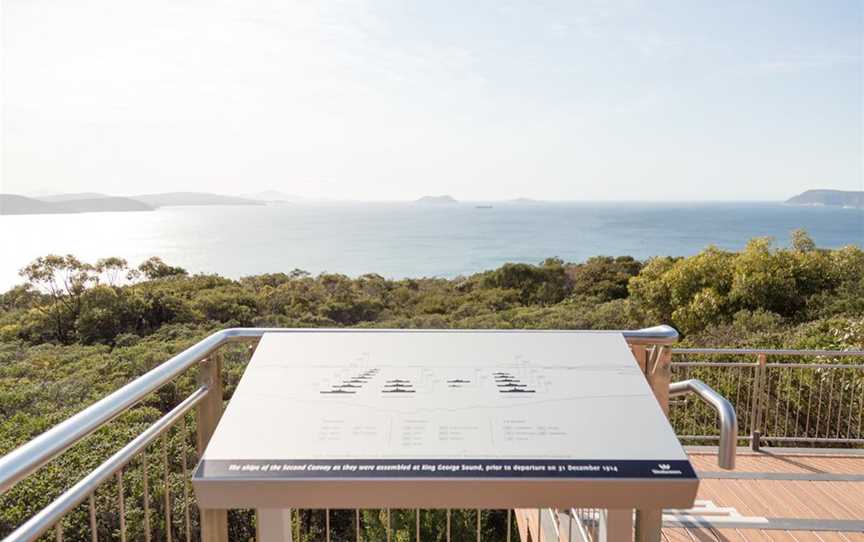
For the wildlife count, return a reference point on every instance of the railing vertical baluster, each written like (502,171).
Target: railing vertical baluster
(698,408)
(765,402)
(389,534)
(509,522)
(448,525)
(688,418)
(860,408)
(738,389)
(786,400)
(478,525)
(830,403)
(728,379)
(327,524)
(840,404)
(121,505)
(58,531)
(167,486)
(798,404)
(747,425)
(356,524)
(751,371)
(94,534)
(777,405)
(819,407)
(757,402)
(851,407)
(558,522)
(685,408)
(809,405)
(569,526)
(539,525)
(145,478)
(754,407)
(417,526)
(186,518)
(299,519)
(700,419)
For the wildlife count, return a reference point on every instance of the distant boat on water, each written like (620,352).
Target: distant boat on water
(483,207)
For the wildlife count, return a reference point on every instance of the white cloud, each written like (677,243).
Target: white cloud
(396,100)
(799,63)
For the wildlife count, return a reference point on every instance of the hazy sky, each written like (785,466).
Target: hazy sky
(391,100)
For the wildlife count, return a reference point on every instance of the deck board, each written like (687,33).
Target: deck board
(703,461)
(811,499)
(756,535)
(810,510)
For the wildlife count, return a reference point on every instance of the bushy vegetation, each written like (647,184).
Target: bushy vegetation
(72,332)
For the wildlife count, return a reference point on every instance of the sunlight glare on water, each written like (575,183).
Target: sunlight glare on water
(408,240)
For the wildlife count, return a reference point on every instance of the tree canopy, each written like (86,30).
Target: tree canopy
(74,331)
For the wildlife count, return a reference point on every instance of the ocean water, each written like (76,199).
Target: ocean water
(409,240)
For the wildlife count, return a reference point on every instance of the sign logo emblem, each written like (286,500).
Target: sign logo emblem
(665,469)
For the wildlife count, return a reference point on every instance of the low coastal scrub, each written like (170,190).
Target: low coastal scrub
(74,331)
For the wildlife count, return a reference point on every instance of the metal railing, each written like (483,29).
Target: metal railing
(778,402)
(587,524)
(208,401)
(783,402)
(392,524)
(725,411)
(84,489)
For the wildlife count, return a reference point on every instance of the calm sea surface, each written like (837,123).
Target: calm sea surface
(408,240)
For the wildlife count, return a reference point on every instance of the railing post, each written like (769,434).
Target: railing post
(640,353)
(659,373)
(214,523)
(616,525)
(649,525)
(756,411)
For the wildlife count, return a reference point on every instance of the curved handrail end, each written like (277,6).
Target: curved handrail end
(728,417)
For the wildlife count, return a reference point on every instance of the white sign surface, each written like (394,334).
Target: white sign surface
(442,405)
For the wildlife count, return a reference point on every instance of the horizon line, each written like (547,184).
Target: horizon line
(293,198)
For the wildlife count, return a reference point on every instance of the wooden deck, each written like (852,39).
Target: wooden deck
(779,495)
(804,495)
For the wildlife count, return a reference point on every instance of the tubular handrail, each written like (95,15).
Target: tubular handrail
(661,334)
(769,352)
(51,514)
(24,460)
(728,418)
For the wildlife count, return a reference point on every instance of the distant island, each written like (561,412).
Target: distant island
(95,202)
(91,202)
(436,200)
(835,198)
(73,196)
(11,204)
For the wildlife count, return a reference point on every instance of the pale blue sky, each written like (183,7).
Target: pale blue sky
(596,100)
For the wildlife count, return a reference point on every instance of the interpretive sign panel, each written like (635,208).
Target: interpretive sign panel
(478,419)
